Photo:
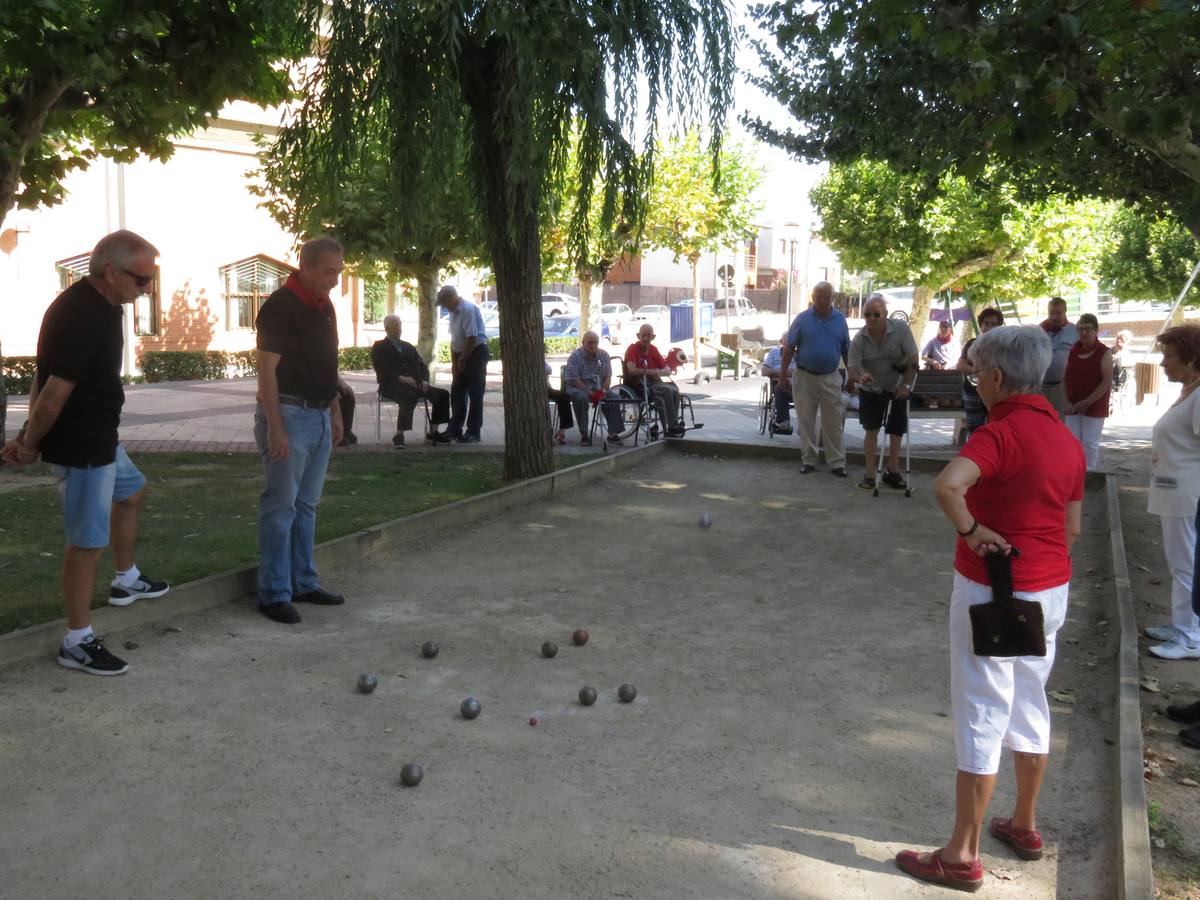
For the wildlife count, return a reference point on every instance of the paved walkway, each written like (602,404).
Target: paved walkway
(217,417)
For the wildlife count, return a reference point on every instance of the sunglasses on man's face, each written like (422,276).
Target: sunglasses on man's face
(140,280)
(873,315)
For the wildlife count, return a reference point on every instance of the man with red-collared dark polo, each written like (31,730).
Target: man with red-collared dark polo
(296,425)
(643,361)
(74,411)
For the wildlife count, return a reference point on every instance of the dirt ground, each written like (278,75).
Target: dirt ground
(1176,837)
(790,733)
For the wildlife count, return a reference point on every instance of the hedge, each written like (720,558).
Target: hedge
(19,372)
(551,346)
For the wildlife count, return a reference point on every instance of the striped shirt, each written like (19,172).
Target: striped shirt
(591,370)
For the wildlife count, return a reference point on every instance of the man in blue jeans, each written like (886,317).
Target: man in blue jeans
(469,356)
(297,423)
(74,411)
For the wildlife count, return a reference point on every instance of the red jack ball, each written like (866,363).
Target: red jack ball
(533,720)
(580,637)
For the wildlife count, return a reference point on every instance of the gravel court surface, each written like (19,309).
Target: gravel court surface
(790,733)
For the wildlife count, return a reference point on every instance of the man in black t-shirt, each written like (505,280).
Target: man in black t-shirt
(297,423)
(74,411)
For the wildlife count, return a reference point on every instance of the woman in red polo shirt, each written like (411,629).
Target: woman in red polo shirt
(1017,483)
(1088,381)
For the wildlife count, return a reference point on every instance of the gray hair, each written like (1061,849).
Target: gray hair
(1021,353)
(448,292)
(119,249)
(390,319)
(875,298)
(311,251)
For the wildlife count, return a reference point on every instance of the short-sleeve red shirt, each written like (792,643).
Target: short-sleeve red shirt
(1031,466)
(644,359)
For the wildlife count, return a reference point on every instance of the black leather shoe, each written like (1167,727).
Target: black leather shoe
(806,469)
(1191,737)
(1187,714)
(319,597)
(440,437)
(469,439)
(280,612)
(839,472)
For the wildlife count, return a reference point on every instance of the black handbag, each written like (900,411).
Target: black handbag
(1006,626)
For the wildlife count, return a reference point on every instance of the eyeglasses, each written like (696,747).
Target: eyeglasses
(140,280)
(873,315)
(973,377)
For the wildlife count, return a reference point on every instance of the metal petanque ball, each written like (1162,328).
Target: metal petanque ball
(626,693)
(587,695)
(470,708)
(706,521)
(429,649)
(411,775)
(580,637)
(367,682)
(533,720)
(549,649)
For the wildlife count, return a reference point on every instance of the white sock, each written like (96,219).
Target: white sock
(129,576)
(76,636)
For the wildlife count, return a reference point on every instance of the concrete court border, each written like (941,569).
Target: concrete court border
(226,587)
(1135,874)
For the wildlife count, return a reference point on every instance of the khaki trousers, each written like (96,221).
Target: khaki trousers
(1057,395)
(824,393)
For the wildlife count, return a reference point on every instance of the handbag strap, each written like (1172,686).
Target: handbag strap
(999,569)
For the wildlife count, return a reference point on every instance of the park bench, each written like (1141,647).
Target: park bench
(744,346)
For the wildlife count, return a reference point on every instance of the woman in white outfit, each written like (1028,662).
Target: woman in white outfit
(1175,490)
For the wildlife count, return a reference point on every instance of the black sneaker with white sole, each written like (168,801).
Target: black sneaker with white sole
(91,657)
(142,589)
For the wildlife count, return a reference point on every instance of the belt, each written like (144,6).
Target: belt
(811,372)
(1051,383)
(289,400)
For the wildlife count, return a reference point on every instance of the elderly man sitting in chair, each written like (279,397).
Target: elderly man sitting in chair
(642,359)
(404,379)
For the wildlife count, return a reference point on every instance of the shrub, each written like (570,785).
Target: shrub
(244,362)
(19,372)
(550,347)
(183,365)
(354,359)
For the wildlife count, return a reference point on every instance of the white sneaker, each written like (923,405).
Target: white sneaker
(1164,633)
(1176,650)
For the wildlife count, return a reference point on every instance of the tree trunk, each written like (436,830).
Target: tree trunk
(26,117)
(694,259)
(585,301)
(389,307)
(919,320)
(511,198)
(427,314)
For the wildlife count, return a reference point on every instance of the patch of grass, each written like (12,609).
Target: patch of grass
(200,515)
(1164,828)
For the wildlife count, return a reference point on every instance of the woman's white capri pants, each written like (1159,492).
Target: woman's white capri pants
(999,701)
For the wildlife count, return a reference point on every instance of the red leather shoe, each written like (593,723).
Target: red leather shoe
(960,876)
(1027,844)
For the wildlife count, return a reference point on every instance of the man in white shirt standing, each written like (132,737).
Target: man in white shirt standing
(469,358)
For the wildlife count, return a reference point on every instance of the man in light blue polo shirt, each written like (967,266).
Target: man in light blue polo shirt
(819,342)
(469,357)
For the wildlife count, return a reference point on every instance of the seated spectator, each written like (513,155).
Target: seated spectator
(883,363)
(1088,382)
(562,402)
(589,375)
(1122,356)
(404,379)
(781,389)
(644,364)
(975,413)
(346,402)
(940,352)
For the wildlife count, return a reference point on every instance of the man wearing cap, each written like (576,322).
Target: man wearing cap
(469,356)
(296,424)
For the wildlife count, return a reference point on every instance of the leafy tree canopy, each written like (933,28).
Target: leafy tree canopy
(81,79)
(1148,256)
(1079,96)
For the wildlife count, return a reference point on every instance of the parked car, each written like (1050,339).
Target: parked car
(568,326)
(616,312)
(736,306)
(491,323)
(899,302)
(559,305)
(652,313)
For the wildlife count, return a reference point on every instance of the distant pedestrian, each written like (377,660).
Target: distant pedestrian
(819,341)
(974,412)
(1063,336)
(296,424)
(1088,382)
(74,411)
(883,364)
(1175,490)
(469,357)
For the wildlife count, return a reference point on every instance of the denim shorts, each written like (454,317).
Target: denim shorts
(88,495)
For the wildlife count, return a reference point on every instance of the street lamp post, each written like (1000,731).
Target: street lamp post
(791,226)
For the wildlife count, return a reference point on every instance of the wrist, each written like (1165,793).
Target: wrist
(969,531)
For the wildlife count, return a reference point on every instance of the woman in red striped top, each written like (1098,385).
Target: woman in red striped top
(1088,381)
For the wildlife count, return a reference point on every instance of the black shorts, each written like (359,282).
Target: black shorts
(871,408)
